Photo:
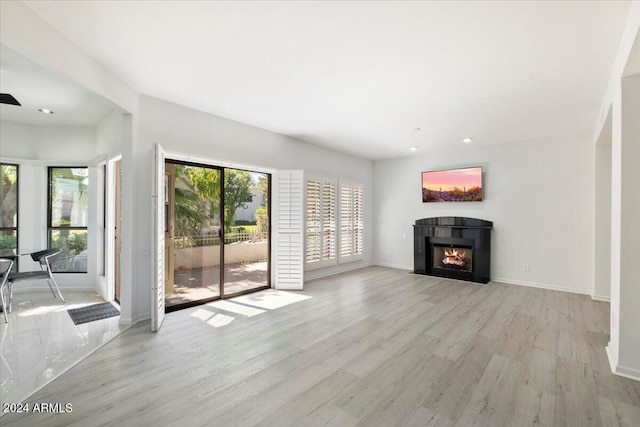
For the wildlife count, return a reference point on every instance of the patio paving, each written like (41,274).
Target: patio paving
(203,283)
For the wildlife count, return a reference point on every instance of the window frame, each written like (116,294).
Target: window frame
(16,228)
(51,228)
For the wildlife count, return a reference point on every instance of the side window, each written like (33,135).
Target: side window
(9,210)
(68,210)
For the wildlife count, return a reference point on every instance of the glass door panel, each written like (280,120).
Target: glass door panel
(193,231)
(246,231)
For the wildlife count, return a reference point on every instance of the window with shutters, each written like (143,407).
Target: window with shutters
(351,222)
(321,218)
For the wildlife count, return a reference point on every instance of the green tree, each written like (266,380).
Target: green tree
(190,207)
(263,188)
(237,192)
(206,183)
(199,199)
(8,195)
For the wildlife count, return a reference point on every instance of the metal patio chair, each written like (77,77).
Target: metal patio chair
(4,275)
(42,258)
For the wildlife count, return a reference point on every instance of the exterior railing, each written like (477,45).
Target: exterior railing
(193,241)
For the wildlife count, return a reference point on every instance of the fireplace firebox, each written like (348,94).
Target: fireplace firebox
(452,257)
(453,247)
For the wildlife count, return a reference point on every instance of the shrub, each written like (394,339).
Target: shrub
(262,216)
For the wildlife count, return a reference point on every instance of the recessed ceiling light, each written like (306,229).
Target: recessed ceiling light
(45,111)
(413,148)
(467,140)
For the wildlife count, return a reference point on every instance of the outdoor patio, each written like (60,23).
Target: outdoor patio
(203,283)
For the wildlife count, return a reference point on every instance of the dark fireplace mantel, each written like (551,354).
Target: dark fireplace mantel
(468,237)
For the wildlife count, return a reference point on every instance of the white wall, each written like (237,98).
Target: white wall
(56,143)
(623,99)
(16,141)
(109,136)
(626,231)
(189,132)
(539,195)
(602,214)
(64,143)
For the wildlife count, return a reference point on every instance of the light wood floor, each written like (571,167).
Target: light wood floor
(374,347)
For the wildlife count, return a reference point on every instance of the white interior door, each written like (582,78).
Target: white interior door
(157,310)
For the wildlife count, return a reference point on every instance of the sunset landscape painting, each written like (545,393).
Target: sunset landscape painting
(453,185)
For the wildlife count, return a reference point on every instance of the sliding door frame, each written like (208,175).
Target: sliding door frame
(221,166)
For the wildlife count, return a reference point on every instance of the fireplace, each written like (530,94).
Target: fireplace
(453,247)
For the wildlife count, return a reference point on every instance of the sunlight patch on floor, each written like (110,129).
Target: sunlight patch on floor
(232,307)
(244,306)
(212,318)
(271,299)
(219,320)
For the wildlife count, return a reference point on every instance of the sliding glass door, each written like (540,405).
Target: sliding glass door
(216,235)
(246,237)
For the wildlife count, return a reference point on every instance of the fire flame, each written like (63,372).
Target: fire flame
(455,253)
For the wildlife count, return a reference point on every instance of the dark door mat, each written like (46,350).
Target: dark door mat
(93,312)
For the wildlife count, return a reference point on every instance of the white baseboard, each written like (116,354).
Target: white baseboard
(611,357)
(620,370)
(624,371)
(540,285)
(341,268)
(508,281)
(398,266)
(140,318)
(125,321)
(604,298)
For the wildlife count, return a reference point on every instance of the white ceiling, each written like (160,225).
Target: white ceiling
(35,87)
(359,77)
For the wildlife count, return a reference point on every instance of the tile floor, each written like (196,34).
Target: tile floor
(40,342)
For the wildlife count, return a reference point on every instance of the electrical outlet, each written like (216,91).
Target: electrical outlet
(526,268)
(404,236)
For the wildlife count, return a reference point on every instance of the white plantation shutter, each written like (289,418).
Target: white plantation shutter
(328,221)
(157,291)
(289,259)
(351,222)
(346,223)
(314,221)
(320,224)
(358,222)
